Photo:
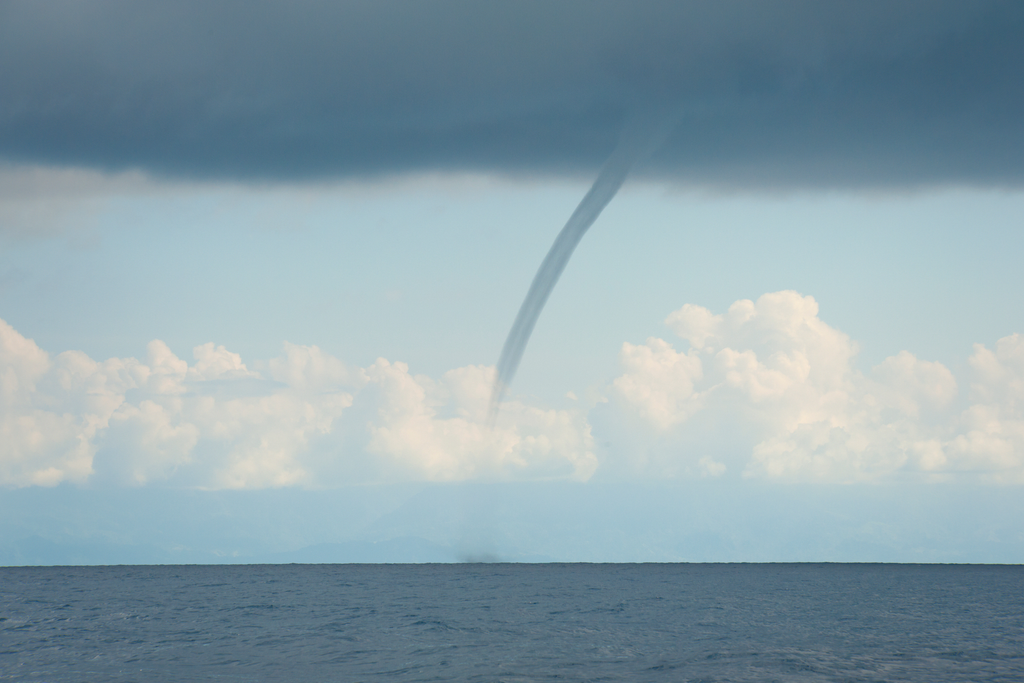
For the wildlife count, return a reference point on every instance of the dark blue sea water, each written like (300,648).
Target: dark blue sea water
(513,622)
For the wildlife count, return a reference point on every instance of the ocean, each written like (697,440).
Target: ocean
(513,622)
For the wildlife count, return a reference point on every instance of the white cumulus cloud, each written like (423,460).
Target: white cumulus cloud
(992,430)
(413,430)
(306,419)
(766,389)
(774,371)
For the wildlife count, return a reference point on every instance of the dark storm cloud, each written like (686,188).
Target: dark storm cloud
(780,93)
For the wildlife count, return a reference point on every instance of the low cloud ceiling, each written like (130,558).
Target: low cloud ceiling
(781,94)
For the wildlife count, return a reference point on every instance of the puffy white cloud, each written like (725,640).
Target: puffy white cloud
(526,442)
(992,438)
(50,410)
(766,389)
(773,370)
(216,423)
(659,381)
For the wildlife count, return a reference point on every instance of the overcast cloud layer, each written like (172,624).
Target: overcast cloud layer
(785,93)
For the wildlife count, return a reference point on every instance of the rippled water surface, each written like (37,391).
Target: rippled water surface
(513,622)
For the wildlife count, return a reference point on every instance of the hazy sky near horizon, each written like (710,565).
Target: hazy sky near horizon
(252,246)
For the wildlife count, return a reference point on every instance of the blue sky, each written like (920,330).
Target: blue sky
(431,270)
(793,335)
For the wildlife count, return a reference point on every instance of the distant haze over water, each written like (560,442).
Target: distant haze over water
(706,520)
